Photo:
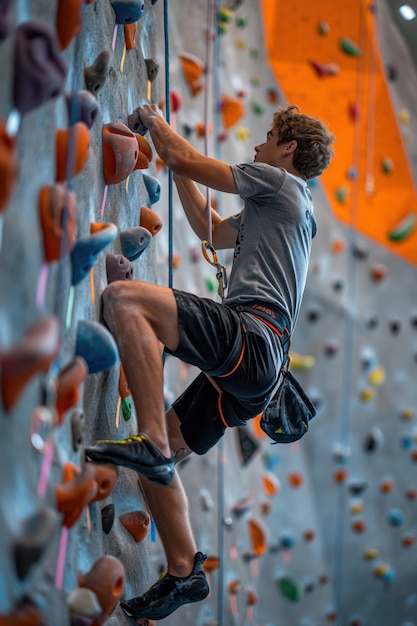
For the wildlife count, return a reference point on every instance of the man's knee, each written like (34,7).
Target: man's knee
(112,299)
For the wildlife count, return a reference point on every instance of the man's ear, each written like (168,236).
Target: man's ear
(290,149)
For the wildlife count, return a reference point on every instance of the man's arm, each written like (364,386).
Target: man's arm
(181,157)
(195,208)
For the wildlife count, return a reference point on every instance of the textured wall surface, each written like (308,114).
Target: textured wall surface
(336,512)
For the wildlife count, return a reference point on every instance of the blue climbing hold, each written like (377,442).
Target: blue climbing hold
(135,241)
(128,11)
(96,346)
(153,187)
(86,250)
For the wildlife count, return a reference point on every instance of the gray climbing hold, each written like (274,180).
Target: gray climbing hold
(135,241)
(96,346)
(153,187)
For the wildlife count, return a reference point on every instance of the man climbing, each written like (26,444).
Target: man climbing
(239,344)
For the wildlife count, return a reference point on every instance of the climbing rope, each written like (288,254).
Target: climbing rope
(349,328)
(168,119)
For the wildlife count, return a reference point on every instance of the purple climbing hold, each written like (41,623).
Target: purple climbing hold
(118,267)
(128,11)
(96,346)
(135,123)
(86,250)
(82,107)
(40,70)
(135,241)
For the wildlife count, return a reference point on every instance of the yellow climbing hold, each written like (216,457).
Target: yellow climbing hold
(404,116)
(376,376)
(366,395)
(242,134)
(407,414)
(370,554)
(302,361)
(357,507)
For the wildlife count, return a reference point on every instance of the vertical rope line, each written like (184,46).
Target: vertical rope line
(220,445)
(349,315)
(168,119)
(207,103)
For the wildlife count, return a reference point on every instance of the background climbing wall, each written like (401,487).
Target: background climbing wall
(333,517)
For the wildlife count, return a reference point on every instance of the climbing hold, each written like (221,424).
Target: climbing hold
(34,535)
(84,602)
(407,414)
(69,20)
(242,21)
(193,69)
(395,517)
(360,250)
(295,480)
(289,588)
(287,539)
(135,123)
(357,507)
(82,107)
(96,74)
(366,395)
(130,35)
(387,485)
(106,578)
(357,487)
(341,453)
(34,353)
(395,327)
(137,523)
(338,245)
(120,152)
(106,476)
(124,391)
(370,554)
(40,70)
(248,445)
(9,166)
(153,187)
(408,540)
(341,194)
(384,571)
(359,526)
(96,345)
(349,47)
(325,69)
(373,440)
(107,517)
(225,15)
(67,387)
(270,483)
(87,248)
(331,348)
(378,272)
(135,241)
(258,108)
(77,428)
(26,613)
(323,28)
(404,116)
(242,506)
(377,375)
(118,267)
(176,101)
(404,228)
(144,153)
(152,69)
(387,165)
(58,219)
(127,408)
(313,315)
(75,492)
(309,535)
(72,149)
(340,475)
(128,11)
(272,95)
(258,534)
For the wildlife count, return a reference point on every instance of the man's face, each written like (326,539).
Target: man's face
(270,151)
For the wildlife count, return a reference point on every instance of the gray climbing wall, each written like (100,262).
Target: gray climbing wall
(335,515)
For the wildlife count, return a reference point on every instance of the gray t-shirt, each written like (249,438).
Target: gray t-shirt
(273,244)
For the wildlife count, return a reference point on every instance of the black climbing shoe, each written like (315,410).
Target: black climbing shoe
(169,593)
(137,453)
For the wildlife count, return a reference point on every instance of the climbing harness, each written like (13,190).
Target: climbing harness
(221,273)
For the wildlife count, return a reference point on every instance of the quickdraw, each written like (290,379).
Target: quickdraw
(221,274)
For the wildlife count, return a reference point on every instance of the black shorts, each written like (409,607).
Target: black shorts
(241,355)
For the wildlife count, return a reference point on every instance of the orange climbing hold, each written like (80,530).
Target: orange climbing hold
(25,615)
(9,166)
(258,535)
(75,492)
(193,69)
(295,479)
(136,523)
(72,149)
(150,220)
(124,391)
(144,153)
(106,579)
(270,484)
(130,35)
(232,110)
(69,21)
(33,354)
(58,219)
(106,476)
(67,390)
(120,152)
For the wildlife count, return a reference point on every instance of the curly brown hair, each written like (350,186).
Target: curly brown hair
(313,153)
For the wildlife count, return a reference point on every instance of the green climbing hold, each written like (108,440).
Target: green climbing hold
(341,194)
(211,284)
(224,15)
(387,165)
(289,589)
(254,53)
(258,108)
(127,408)
(404,228)
(349,47)
(242,21)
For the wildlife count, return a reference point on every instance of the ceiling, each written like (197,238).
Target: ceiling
(407,29)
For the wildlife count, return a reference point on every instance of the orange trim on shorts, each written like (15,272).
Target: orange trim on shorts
(222,417)
(239,361)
